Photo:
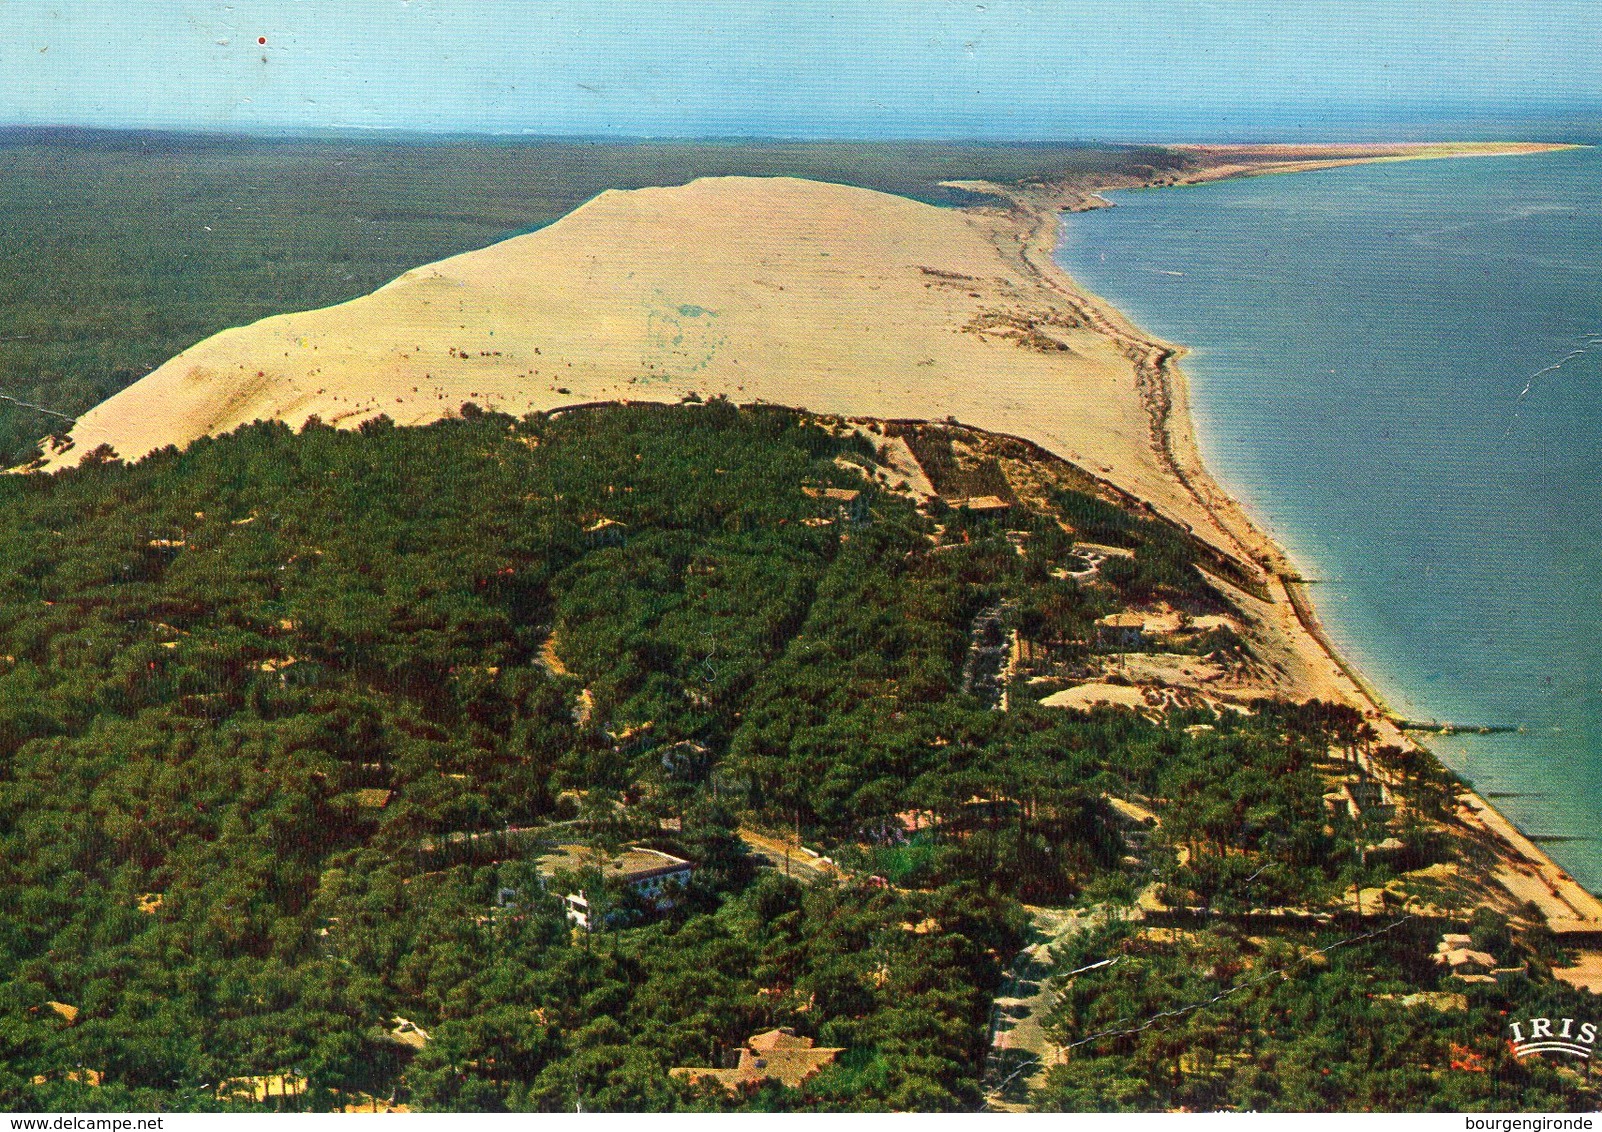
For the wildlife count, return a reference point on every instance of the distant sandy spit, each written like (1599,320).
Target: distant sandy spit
(1217,162)
(1081,192)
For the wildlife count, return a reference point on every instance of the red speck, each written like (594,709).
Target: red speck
(262,40)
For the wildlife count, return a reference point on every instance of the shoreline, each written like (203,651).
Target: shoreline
(1525,870)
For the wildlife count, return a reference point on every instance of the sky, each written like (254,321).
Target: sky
(1016,69)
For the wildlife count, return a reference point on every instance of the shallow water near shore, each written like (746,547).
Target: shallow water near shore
(1398,369)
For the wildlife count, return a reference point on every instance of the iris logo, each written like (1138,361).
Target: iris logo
(1568,1038)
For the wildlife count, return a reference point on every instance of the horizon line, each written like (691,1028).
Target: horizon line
(381,133)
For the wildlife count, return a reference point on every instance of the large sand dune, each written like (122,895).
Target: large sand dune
(838,299)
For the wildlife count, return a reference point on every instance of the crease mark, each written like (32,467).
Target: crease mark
(1588,342)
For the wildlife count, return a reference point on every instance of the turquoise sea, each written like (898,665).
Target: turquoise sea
(1398,368)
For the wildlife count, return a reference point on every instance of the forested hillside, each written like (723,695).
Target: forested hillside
(283,718)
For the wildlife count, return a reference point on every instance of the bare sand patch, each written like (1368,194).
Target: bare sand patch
(1086,696)
(1586,973)
(1171,669)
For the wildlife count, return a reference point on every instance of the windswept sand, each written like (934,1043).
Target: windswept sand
(1086,696)
(839,299)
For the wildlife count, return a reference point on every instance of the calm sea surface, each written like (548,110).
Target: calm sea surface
(1398,368)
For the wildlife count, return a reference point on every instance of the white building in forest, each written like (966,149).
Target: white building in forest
(657,878)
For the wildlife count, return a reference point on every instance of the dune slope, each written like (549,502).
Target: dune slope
(839,299)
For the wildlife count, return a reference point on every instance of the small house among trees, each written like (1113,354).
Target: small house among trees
(1121,631)
(852,504)
(654,877)
(774,1055)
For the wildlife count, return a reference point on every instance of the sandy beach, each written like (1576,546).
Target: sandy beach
(841,300)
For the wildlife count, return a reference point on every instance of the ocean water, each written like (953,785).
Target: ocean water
(1398,369)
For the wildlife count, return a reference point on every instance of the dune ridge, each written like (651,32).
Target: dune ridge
(839,299)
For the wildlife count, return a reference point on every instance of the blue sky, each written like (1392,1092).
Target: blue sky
(1024,69)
